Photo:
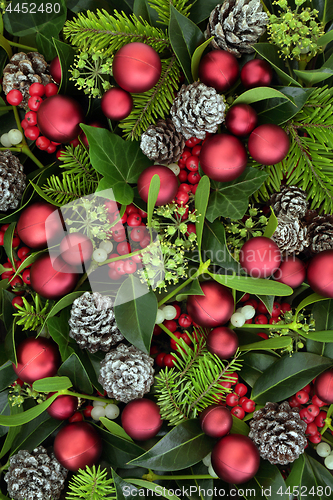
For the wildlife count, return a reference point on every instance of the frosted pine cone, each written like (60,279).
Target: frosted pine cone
(93,324)
(162,143)
(12,181)
(126,373)
(290,201)
(320,233)
(196,110)
(291,236)
(35,476)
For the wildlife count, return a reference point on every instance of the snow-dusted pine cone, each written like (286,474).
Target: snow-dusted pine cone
(278,432)
(320,233)
(291,236)
(126,373)
(35,476)
(196,110)
(12,181)
(92,322)
(162,143)
(236,25)
(290,201)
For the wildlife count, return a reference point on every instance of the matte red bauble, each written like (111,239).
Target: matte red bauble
(223,342)
(320,274)
(268,144)
(219,69)
(168,184)
(39,224)
(212,309)
(55,69)
(116,104)
(59,118)
(241,119)
(36,358)
(77,446)
(52,278)
(260,257)
(216,421)
(136,67)
(141,419)
(291,272)
(76,248)
(235,459)
(256,73)
(223,157)
(324,386)
(63,407)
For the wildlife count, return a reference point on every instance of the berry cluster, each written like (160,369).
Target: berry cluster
(238,401)
(261,315)
(189,169)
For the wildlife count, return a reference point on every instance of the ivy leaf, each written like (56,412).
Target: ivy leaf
(196,58)
(252,285)
(44,41)
(75,371)
(52,384)
(7,375)
(214,246)
(118,451)
(201,200)
(66,55)
(254,364)
(278,110)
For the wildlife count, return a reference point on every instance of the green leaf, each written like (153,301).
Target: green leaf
(253,285)
(59,330)
(271,226)
(141,8)
(29,260)
(311,299)
(118,451)
(201,201)
(259,94)
(239,427)
(52,384)
(35,432)
(193,289)
(254,364)
(75,371)
(8,240)
(191,486)
(161,492)
(26,416)
(325,39)
(7,375)
(275,343)
(325,8)
(92,364)
(66,55)
(214,246)
(201,10)
(307,473)
(268,301)
(324,336)
(323,315)
(278,110)
(154,189)
(5,45)
(196,58)
(124,490)
(12,432)
(4,410)
(62,303)
(311,77)
(115,429)
(270,52)
(268,484)
(44,41)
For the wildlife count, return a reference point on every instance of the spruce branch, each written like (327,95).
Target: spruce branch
(91,484)
(162,7)
(32,315)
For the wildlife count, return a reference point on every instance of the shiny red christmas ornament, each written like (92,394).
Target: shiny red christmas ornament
(268,144)
(324,386)
(141,419)
(76,248)
(256,73)
(63,407)
(77,446)
(52,277)
(136,67)
(241,119)
(223,157)
(223,342)
(320,273)
(235,459)
(55,69)
(168,184)
(116,104)
(219,69)
(36,358)
(212,309)
(291,272)
(216,421)
(260,257)
(39,224)
(59,118)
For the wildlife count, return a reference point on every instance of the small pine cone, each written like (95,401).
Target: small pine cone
(162,143)
(290,201)
(93,324)
(12,181)
(236,25)
(126,373)
(278,432)
(320,233)
(291,236)
(22,71)
(35,476)
(196,110)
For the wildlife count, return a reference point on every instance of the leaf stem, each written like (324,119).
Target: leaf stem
(20,46)
(86,396)
(154,477)
(290,326)
(26,151)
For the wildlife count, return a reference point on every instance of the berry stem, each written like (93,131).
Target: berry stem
(290,326)
(20,46)
(86,396)
(26,151)
(18,123)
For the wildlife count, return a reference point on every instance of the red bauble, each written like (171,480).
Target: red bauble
(260,257)
(235,459)
(320,274)
(141,419)
(256,73)
(241,119)
(223,342)
(36,358)
(116,104)
(136,67)
(39,224)
(324,386)
(168,184)
(212,309)
(55,69)
(77,446)
(59,118)
(76,248)
(63,407)
(219,69)
(268,144)
(52,278)
(291,272)
(223,157)
(216,421)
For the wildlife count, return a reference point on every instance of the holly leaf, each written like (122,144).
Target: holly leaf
(254,364)
(44,41)
(270,52)
(325,8)
(201,10)
(7,375)
(323,315)
(66,55)
(306,474)
(75,371)
(118,451)
(34,433)
(124,489)
(59,330)
(214,246)
(267,484)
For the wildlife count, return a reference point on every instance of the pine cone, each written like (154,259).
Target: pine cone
(291,236)
(278,432)
(320,233)
(236,25)
(22,71)
(196,110)
(126,373)
(12,181)
(35,476)
(93,324)
(290,201)
(162,143)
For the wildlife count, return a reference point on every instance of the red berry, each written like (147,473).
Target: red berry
(302,396)
(77,417)
(59,152)
(43,142)
(124,248)
(169,360)
(37,89)
(154,350)
(51,148)
(192,141)
(245,297)
(227,385)
(178,309)
(249,406)
(137,258)
(234,378)
(185,187)
(262,308)
(238,412)
(276,311)
(51,89)
(241,389)
(191,228)
(119,267)
(294,403)
(157,330)
(263,335)
(285,307)
(142,213)
(186,154)
(75,142)
(194,188)
(26,276)
(111,206)
(2,236)
(305,415)
(14,97)
(145,242)
(159,360)
(186,338)
(192,163)
(185,321)
(87,411)
(16,241)
(182,176)
(4,227)
(252,302)
(16,282)
(32,133)
(307,388)
(131,209)
(129,266)
(23,252)
(114,275)
(24,124)
(194,177)
(311,429)
(134,219)
(319,420)
(232,399)
(137,234)
(170,324)
(315,439)
(316,401)
(122,219)
(181,198)
(31,118)
(196,150)
(17,301)
(314,410)
(34,103)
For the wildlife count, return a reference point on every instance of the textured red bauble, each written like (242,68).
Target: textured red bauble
(241,119)
(39,224)
(216,421)
(59,118)
(324,386)
(320,273)
(223,342)
(36,358)
(291,272)
(268,144)
(256,73)
(141,419)
(52,278)
(63,407)
(55,69)
(219,69)
(212,309)
(168,184)
(260,257)
(223,157)
(136,67)
(235,459)
(77,446)
(76,248)
(116,104)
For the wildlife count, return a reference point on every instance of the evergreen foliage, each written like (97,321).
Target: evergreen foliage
(91,484)
(162,7)
(32,315)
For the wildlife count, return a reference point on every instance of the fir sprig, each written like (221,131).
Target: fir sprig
(31,316)
(162,7)
(91,484)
